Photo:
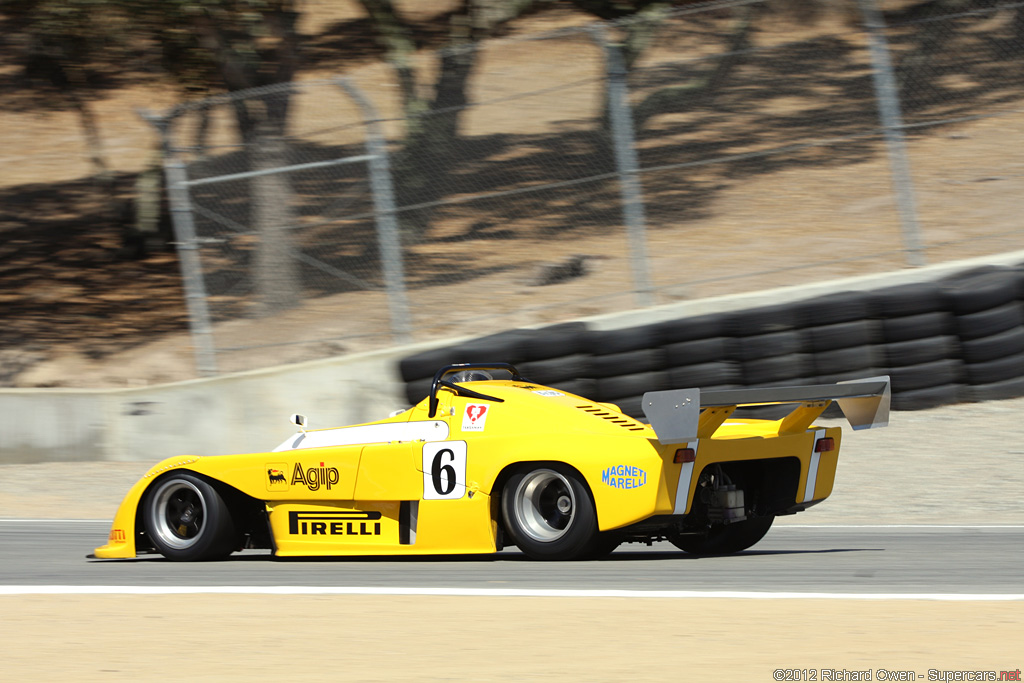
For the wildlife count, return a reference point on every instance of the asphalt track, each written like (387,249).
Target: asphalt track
(897,560)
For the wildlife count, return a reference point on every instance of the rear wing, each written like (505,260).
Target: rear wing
(682,415)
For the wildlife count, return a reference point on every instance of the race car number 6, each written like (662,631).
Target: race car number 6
(444,470)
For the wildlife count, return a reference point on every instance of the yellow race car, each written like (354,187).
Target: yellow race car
(490,459)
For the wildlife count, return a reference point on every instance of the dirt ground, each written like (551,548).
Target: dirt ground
(360,638)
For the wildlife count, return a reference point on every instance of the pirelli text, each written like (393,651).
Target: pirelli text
(895,675)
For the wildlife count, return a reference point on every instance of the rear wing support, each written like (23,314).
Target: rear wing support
(683,415)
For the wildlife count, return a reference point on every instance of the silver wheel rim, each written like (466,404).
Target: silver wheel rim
(544,505)
(178,513)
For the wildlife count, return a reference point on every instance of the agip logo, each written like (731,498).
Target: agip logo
(315,477)
(277,476)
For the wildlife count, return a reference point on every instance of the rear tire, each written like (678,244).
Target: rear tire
(728,539)
(549,514)
(187,520)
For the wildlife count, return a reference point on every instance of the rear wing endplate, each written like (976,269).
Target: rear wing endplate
(681,415)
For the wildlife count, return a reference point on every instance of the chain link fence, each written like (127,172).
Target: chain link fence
(708,150)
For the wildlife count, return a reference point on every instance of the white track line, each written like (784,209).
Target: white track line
(494,592)
(777,527)
(16,520)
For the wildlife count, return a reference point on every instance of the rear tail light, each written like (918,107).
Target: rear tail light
(825,445)
(685,455)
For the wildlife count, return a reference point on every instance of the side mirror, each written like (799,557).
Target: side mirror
(300,422)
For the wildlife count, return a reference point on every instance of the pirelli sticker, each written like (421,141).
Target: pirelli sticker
(334,523)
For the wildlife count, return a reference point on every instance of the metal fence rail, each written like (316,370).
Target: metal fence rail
(704,151)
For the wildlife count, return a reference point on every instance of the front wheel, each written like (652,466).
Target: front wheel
(724,540)
(187,519)
(549,514)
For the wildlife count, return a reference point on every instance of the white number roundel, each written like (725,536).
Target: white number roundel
(444,470)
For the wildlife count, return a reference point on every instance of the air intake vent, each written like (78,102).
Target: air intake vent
(615,418)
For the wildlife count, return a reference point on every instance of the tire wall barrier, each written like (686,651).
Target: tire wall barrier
(946,341)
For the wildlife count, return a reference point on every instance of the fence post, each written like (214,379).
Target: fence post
(626,165)
(384,212)
(187,247)
(892,123)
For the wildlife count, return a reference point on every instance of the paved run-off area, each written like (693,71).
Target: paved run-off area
(952,465)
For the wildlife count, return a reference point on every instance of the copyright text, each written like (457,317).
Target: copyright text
(894,675)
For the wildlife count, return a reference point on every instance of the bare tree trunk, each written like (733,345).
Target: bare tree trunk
(93,139)
(276,270)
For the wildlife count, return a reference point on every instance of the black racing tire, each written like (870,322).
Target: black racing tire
(693,328)
(727,539)
(555,341)
(607,342)
(766,345)
(626,363)
(862,373)
(720,373)
(554,370)
(998,370)
(1000,345)
(907,300)
(931,397)
(758,321)
(426,363)
(849,359)
(924,350)
(612,388)
(696,351)
(502,347)
(919,326)
(926,375)
(992,321)
(187,520)
(980,291)
(778,369)
(832,309)
(842,335)
(1007,388)
(548,513)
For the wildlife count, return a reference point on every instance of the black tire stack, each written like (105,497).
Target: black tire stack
(697,353)
(940,342)
(841,338)
(557,356)
(767,346)
(626,363)
(921,349)
(989,324)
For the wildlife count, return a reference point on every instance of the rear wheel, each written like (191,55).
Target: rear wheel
(723,540)
(549,514)
(187,519)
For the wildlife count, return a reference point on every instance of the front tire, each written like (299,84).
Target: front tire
(549,514)
(187,520)
(728,539)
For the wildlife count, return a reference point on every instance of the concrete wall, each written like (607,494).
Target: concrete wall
(248,412)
